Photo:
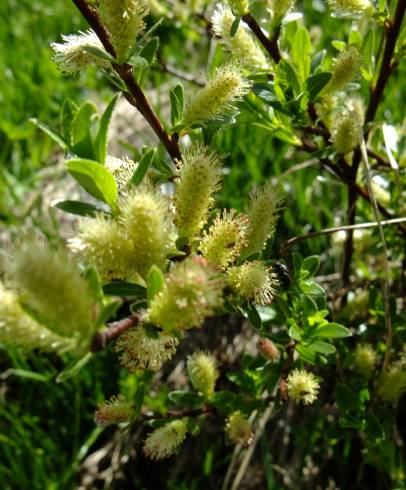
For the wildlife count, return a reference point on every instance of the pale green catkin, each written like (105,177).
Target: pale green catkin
(242,46)
(124,20)
(53,287)
(202,372)
(19,329)
(263,213)
(199,176)
(218,97)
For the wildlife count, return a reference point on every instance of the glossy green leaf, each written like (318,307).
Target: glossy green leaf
(101,138)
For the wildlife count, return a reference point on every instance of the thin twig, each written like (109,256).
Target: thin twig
(271,45)
(388,322)
(113,330)
(125,72)
(329,231)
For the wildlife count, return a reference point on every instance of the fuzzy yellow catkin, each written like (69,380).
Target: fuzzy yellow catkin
(202,372)
(54,289)
(102,242)
(71,55)
(122,170)
(124,20)
(218,97)
(364,359)
(346,128)
(199,177)
(140,351)
(302,386)
(19,329)
(145,217)
(263,213)
(238,428)
(114,411)
(253,281)
(345,67)
(192,291)
(242,46)
(352,7)
(240,7)
(224,239)
(165,441)
(392,383)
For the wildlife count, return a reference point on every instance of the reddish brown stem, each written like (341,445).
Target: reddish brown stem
(125,72)
(271,45)
(114,330)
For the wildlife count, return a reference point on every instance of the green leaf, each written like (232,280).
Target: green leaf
(25,374)
(307,353)
(316,83)
(101,54)
(143,166)
(100,144)
(68,114)
(149,50)
(177,98)
(47,130)
(95,179)
(234,26)
(331,331)
(301,53)
(108,311)
(346,399)
(311,264)
(139,397)
(82,143)
(155,282)
(286,82)
(297,264)
(295,333)
(122,288)
(188,398)
(74,368)
(312,288)
(323,347)
(79,208)
(372,426)
(193,427)
(254,317)
(93,280)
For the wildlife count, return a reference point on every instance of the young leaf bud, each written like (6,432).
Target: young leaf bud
(223,242)
(164,442)
(302,386)
(55,290)
(392,383)
(364,359)
(199,178)
(254,281)
(114,411)
(145,217)
(202,372)
(192,291)
(71,55)
(345,67)
(242,45)
(268,349)
(263,213)
(142,351)
(19,329)
(124,21)
(218,97)
(238,429)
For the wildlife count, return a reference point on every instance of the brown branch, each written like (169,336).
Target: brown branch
(125,72)
(193,412)
(271,45)
(336,229)
(387,67)
(114,330)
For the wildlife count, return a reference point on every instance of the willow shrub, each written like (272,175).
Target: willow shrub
(154,256)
